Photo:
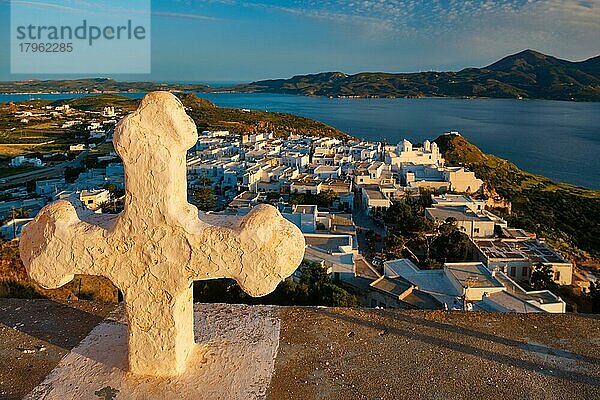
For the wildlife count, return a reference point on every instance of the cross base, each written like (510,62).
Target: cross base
(161,331)
(234,359)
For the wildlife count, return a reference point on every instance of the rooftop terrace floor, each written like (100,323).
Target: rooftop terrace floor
(327,353)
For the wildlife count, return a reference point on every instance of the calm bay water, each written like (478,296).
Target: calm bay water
(560,140)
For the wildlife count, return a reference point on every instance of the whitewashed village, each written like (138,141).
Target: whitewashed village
(340,194)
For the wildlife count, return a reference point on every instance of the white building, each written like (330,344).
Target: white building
(77,147)
(93,199)
(49,186)
(474,224)
(458,200)
(325,172)
(303,216)
(335,252)
(296,160)
(518,258)
(108,112)
(406,153)
(306,184)
(21,160)
(373,200)
(472,286)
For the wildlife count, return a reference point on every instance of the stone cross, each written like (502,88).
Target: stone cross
(159,244)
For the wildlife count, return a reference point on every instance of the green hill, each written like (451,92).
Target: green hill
(210,117)
(567,215)
(528,74)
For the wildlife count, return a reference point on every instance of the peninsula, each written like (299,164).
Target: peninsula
(525,75)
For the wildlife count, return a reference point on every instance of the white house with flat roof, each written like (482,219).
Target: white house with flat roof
(374,200)
(335,252)
(303,216)
(457,200)
(473,285)
(295,160)
(325,172)
(305,184)
(49,186)
(93,199)
(517,258)
(473,279)
(479,225)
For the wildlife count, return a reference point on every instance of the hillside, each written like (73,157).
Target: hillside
(528,74)
(567,215)
(206,115)
(210,117)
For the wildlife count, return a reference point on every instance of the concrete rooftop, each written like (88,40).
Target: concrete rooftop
(329,353)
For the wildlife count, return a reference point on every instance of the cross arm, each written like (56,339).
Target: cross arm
(63,240)
(257,251)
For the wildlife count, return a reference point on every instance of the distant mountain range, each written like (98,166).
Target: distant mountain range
(528,74)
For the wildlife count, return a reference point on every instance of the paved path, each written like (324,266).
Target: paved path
(50,172)
(364,223)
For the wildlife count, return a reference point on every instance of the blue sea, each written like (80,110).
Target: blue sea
(557,139)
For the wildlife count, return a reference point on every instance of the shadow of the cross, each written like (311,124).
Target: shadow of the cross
(462,340)
(62,324)
(234,359)
(29,326)
(529,347)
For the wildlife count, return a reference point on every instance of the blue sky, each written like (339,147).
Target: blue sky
(243,40)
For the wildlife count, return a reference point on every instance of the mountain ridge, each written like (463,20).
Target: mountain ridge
(527,74)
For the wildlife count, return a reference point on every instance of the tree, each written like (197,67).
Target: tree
(542,278)
(594,295)
(406,221)
(204,181)
(425,200)
(109,207)
(450,244)
(326,198)
(315,289)
(394,246)
(303,198)
(20,212)
(72,173)
(204,198)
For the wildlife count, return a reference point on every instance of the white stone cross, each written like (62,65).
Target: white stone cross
(159,244)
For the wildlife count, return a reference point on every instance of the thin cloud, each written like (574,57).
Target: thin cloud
(92,8)
(184,16)
(42,5)
(326,15)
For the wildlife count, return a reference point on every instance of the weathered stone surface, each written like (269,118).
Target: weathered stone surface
(340,354)
(234,362)
(160,243)
(327,353)
(36,334)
